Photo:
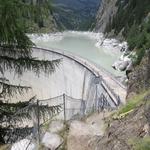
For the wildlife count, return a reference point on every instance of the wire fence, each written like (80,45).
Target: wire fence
(27,123)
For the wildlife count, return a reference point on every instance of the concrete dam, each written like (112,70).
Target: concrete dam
(75,77)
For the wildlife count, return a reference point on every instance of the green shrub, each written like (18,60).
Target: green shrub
(141,144)
(132,19)
(133,103)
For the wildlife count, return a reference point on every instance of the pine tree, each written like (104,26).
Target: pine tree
(16,48)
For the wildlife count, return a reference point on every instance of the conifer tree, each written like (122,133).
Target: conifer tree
(16,48)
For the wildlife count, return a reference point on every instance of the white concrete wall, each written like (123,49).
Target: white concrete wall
(70,78)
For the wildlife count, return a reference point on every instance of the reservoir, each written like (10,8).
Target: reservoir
(84,44)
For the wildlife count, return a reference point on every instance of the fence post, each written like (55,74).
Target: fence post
(98,105)
(38,123)
(96,100)
(97,82)
(83,108)
(64,102)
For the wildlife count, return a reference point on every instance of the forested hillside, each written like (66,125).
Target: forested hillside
(129,20)
(75,14)
(129,13)
(45,21)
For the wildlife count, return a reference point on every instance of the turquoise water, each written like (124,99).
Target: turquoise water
(82,44)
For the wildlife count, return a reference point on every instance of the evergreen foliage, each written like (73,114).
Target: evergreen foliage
(129,12)
(16,53)
(138,38)
(133,21)
(15,46)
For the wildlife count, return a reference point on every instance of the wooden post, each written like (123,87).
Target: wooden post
(64,102)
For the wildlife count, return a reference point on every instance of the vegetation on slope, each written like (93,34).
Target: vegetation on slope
(133,103)
(129,12)
(141,144)
(129,130)
(132,20)
(76,14)
(138,38)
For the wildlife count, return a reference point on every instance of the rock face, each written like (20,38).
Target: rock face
(124,63)
(139,79)
(105,14)
(80,136)
(84,135)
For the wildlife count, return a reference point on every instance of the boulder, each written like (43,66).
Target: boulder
(51,140)
(56,126)
(24,144)
(120,65)
(82,136)
(123,65)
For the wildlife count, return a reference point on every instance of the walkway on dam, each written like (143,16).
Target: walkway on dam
(113,86)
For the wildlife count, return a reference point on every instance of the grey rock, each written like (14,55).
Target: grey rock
(51,140)
(105,14)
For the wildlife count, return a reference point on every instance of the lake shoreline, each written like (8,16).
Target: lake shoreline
(84,44)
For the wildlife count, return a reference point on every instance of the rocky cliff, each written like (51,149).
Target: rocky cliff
(105,14)
(118,16)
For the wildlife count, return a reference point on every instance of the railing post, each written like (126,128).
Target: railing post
(64,102)
(98,105)
(97,82)
(38,123)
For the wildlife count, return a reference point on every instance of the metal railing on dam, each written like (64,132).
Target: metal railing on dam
(112,86)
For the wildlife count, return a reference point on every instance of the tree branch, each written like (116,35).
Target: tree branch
(11,90)
(21,65)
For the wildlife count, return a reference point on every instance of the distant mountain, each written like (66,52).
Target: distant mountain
(76,14)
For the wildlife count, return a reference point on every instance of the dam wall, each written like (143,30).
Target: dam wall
(75,77)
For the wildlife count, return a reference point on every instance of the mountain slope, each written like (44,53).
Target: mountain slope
(129,20)
(118,16)
(42,20)
(105,13)
(132,132)
(76,14)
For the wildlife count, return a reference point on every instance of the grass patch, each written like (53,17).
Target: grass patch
(140,144)
(133,103)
